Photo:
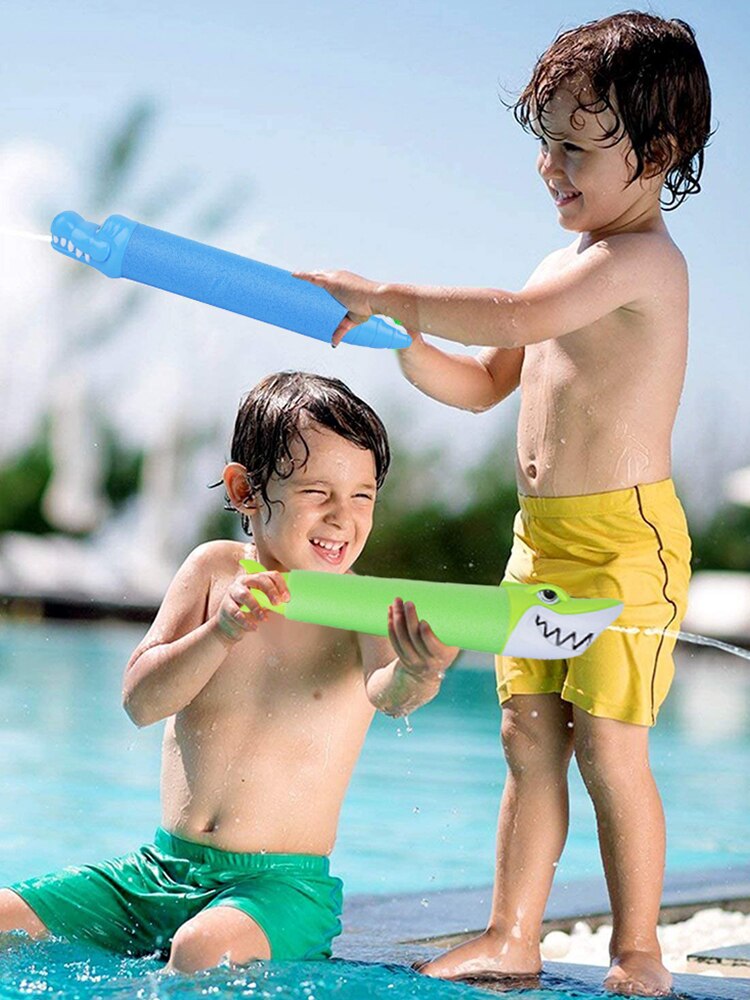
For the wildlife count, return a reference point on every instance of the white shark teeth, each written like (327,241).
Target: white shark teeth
(69,245)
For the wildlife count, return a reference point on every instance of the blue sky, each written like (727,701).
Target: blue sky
(372,137)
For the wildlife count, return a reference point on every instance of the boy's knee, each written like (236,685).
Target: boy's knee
(17,915)
(222,934)
(193,949)
(533,744)
(602,757)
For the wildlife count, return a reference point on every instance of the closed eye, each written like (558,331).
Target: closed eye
(569,147)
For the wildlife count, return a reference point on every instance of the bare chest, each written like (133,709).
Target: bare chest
(284,664)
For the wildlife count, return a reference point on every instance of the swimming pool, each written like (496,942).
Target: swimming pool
(83,784)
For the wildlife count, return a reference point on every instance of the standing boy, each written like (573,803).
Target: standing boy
(265,717)
(597,341)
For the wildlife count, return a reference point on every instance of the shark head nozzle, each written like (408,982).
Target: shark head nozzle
(550,624)
(101,247)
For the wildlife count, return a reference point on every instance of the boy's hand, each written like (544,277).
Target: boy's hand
(239,612)
(350,290)
(420,651)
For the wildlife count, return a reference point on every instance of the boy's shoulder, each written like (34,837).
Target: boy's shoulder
(218,555)
(651,255)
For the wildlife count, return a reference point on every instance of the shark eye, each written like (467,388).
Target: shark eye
(548,596)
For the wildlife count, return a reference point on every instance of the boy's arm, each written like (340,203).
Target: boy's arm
(181,651)
(468,383)
(605,276)
(400,685)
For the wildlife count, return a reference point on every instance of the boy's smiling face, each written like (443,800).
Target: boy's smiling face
(326,510)
(588,174)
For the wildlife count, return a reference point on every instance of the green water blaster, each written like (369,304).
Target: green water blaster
(537,621)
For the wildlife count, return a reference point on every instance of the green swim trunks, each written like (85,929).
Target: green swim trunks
(135,904)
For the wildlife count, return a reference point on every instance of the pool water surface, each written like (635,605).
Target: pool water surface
(82,784)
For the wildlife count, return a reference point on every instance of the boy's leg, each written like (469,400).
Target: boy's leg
(216,934)
(613,759)
(16,915)
(533,824)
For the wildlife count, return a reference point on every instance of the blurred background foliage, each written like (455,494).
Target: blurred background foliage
(417,533)
(414,535)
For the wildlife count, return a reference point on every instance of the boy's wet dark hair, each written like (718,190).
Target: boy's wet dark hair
(649,73)
(274,414)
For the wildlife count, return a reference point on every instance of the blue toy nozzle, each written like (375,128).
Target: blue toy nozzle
(102,247)
(122,248)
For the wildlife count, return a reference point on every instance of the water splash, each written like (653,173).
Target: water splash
(691,637)
(45,238)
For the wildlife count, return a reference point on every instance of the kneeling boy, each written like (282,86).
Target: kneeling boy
(265,717)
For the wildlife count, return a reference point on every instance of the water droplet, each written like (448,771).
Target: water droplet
(534,714)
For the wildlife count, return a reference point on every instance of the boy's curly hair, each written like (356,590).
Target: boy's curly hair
(649,73)
(274,415)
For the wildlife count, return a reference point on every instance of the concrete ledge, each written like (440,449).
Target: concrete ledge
(410,927)
(447,915)
(733,961)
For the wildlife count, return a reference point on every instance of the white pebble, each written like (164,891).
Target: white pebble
(555,945)
(705,930)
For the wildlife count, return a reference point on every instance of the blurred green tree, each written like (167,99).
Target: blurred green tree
(29,475)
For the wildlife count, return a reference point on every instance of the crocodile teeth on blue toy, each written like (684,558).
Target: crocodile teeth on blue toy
(122,248)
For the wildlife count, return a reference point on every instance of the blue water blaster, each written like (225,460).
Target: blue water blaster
(122,248)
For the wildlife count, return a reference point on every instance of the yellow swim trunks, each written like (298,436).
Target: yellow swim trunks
(629,544)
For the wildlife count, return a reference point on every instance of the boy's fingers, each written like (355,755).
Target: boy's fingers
(239,618)
(347,323)
(436,646)
(281,587)
(397,631)
(415,633)
(271,584)
(406,627)
(315,277)
(393,627)
(275,588)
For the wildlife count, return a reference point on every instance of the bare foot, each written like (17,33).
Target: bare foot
(491,955)
(638,974)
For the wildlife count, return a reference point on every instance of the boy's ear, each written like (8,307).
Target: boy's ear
(237,485)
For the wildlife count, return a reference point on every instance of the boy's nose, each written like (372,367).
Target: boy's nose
(550,164)
(337,513)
